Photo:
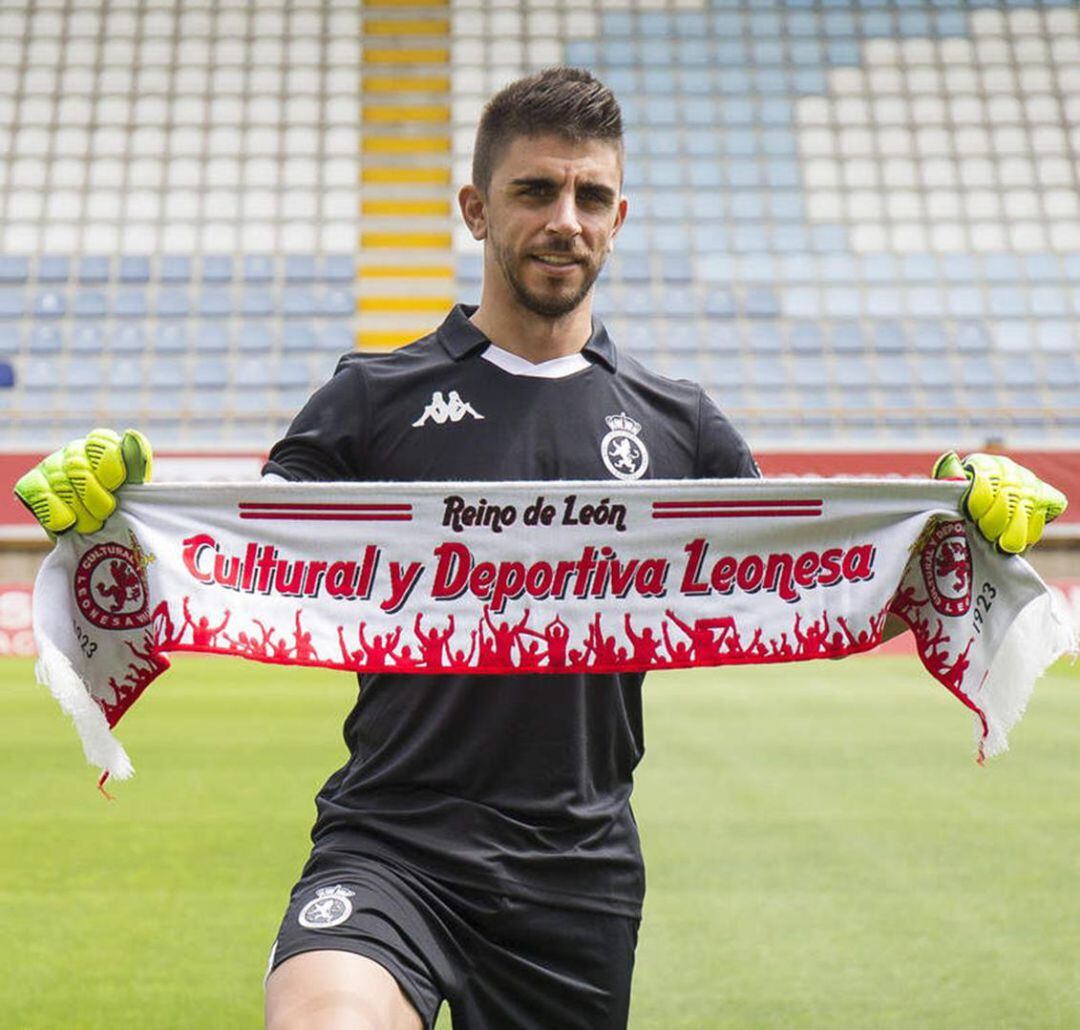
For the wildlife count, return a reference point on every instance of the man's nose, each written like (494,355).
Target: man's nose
(564,220)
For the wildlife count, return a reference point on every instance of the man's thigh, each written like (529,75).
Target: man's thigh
(336,990)
(347,917)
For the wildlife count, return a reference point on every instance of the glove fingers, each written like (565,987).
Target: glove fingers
(45,504)
(75,483)
(104,458)
(138,456)
(948,466)
(984,490)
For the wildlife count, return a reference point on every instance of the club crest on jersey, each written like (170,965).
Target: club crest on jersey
(446,409)
(622,449)
(330,907)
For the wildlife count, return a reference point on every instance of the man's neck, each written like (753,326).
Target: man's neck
(535,337)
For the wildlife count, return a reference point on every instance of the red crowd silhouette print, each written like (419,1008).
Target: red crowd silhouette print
(499,642)
(948,665)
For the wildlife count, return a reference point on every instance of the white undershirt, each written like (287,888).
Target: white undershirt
(556,368)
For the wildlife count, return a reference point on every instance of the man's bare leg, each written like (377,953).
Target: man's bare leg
(336,990)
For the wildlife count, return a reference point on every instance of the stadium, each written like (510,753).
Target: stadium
(855,222)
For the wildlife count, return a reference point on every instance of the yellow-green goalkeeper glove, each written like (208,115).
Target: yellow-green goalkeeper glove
(73,487)
(1008,502)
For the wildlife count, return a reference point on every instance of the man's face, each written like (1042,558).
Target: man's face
(551,213)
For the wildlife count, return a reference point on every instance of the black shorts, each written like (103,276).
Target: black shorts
(501,963)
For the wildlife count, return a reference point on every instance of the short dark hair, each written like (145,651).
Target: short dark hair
(567,102)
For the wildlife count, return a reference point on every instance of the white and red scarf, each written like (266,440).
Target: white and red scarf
(536,577)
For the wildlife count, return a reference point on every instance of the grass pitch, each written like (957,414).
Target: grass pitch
(822,851)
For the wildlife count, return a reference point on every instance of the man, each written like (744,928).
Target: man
(478,845)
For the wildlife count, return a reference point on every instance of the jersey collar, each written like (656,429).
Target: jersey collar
(461,339)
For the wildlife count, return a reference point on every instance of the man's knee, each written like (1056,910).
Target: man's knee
(336,990)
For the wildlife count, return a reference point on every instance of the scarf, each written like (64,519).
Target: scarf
(544,577)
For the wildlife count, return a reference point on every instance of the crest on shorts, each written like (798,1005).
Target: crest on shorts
(946,569)
(622,449)
(330,907)
(110,585)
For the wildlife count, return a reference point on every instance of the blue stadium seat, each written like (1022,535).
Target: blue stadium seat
(251,373)
(94,268)
(171,337)
(338,302)
(175,268)
(208,373)
(167,373)
(254,337)
(632,267)
(49,304)
(53,268)
(251,399)
(339,268)
(38,373)
(1053,335)
(14,268)
(129,338)
(337,338)
(298,302)
(7,375)
(134,268)
(298,338)
(173,303)
(300,268)
(678,301)
(930,336)
(765,337)
(852,371)
(258,268)
(677,268)
(972,337)
(87,338)
(1063,370)
(847,338)
(90,304)
(11,303)
(978,371)
(759,302)
(45,339)
(807,338)
(637,302)
(217,268)
(215,302)
(291,372)
(212,336)
(125,373)
(9,339)
(256,302)
(1049,302)
(129,303)
(469,267)
(581,53)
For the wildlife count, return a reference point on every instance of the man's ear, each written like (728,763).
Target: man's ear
(620,217)
(473,211)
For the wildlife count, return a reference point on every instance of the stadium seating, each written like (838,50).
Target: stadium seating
(847,219)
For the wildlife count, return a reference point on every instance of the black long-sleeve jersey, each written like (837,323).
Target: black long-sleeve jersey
(517,785)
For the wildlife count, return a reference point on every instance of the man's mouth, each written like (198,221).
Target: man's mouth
(556,260)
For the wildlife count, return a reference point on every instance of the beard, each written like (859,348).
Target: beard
(556,303)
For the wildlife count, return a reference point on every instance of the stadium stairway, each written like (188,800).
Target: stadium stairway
(405,273)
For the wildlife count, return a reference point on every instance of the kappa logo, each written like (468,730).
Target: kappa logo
(330,907)
(622,449)
(446,409)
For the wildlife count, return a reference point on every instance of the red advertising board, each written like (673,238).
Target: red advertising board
(16,637)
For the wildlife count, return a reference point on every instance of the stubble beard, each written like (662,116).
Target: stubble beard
(547,306)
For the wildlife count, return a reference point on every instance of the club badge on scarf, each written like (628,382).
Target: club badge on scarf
(492,578)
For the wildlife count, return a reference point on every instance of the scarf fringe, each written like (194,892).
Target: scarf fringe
(101,748)
(1038,637)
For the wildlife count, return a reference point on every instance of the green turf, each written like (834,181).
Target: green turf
(822,851)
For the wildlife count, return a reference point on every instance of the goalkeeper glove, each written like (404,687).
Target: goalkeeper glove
(1008,502)
(73,487)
